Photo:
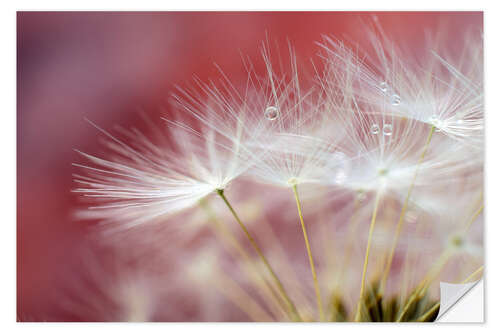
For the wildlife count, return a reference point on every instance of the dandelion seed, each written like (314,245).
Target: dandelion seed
(436,122)
(428,84)
(142,180)
(327,136)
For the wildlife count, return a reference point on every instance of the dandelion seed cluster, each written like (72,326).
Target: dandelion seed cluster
(345,199)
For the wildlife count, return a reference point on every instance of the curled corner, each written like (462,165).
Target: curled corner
(452,293)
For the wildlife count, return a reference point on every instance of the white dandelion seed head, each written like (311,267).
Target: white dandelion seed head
(363,129)
(437,89)
(142,179)
(384,160)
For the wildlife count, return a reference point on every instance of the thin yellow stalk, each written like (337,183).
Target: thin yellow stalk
(353,224)
(295,315)
(439,264)
(472,275)
(309,254)
(367,254)
(406,272)
(474,216)
(284,261)
(424,284)
(406,282)
(434,308)
(244,301)
(435,270)
(427,315)
(223,233)
(230,241)
(403,213)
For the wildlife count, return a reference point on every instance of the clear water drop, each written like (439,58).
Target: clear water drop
(375,129)
(395,100)
(271,112)
(387,130)
(383,86)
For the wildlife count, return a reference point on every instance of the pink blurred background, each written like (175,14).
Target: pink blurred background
(106,67)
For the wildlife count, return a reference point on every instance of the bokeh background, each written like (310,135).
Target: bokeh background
(109,66)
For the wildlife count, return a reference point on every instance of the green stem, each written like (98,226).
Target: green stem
(230,241)
(367,254)
(309,254)
(403,213)
(295,315)
(432,310)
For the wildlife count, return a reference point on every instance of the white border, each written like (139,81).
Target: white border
(8,149)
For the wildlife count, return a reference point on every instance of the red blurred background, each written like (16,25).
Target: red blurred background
(106,67)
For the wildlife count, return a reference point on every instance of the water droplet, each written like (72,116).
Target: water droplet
(375,129)
(460,121)
(395,100)
(387,129)
(383,86)
(271,112)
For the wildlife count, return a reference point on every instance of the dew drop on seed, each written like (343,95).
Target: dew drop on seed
(375,129)
(361,196)
(383,86)
(395,100)
(271,112)
(387,129)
